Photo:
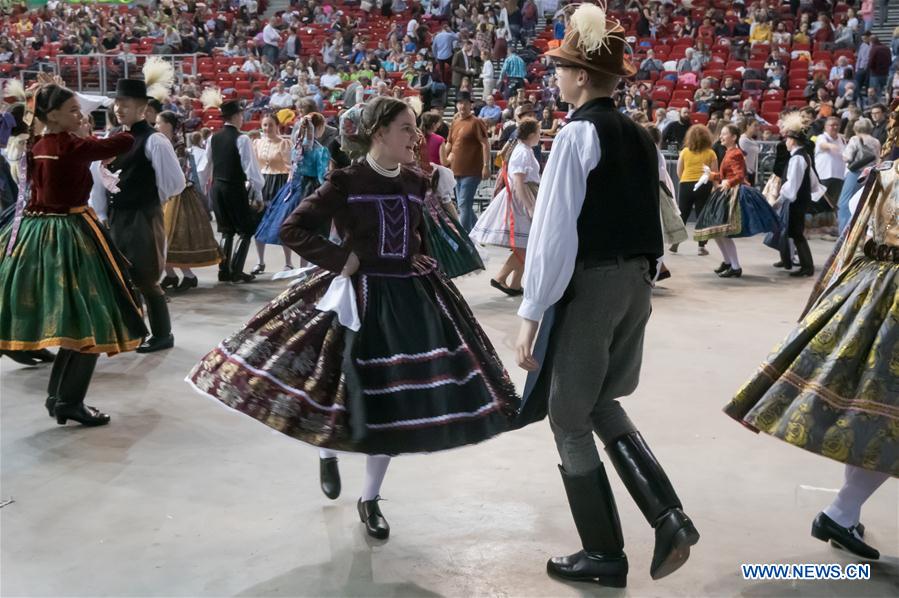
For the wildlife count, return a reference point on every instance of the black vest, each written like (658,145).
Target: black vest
(137,179)
(226,165)
(804,195)
(620,216)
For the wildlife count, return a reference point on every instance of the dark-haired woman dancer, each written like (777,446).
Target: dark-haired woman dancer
(62,283)
(405,367)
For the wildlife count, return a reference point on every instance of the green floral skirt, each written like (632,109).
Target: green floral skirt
(65,285)
(832,387)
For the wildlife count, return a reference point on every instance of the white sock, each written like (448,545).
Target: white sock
(860,484)
(326,454)
(260,251)
(188,273)
(375,470)
(287,257)
(723,248)
(169,271)
(733,257)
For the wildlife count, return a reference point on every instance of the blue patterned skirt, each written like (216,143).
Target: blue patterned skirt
(283,204)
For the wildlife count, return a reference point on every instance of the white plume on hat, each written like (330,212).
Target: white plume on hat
(212,97)
(589,20)
(159,75)
(416,105)
(791,123)
(14,89)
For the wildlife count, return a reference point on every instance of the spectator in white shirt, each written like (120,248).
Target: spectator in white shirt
(829,162)
(750,148)
(331,80)
(271,39)
(280,99)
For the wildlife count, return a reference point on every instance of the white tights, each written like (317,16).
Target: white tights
(729,251)
(375,470)
(860,484)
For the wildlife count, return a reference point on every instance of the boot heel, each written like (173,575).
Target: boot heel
(61,420)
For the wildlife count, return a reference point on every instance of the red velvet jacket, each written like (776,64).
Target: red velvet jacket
(59,169)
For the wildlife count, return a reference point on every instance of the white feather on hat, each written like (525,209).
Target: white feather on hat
(589,20)
(159,75)
(212,97)
(791,123)
(14,89)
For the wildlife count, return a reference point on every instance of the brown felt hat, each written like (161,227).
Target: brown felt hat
(594,43)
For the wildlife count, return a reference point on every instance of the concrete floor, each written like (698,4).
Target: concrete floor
(180,497)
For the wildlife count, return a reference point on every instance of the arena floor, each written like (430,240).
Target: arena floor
(180,497)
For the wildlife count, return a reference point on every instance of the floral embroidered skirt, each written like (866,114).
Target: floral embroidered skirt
(832,387)
(66,285)
(448,243)
(742,212)
(419,376)
(190,242)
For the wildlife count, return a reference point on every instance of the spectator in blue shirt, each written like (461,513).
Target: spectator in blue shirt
(443,49)
(559,28)
(516,70)
(490,113)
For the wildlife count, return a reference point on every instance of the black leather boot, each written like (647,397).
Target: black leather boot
(602,559)
(806,264)
(73,387)
(59,366)
(652,491)
(227,248)
(329,476)
(370,514)
(238,260)
(826,529)
(161,336)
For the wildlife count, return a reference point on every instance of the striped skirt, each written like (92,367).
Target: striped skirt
(418,376)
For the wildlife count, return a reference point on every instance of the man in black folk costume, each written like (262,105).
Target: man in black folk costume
(595,239)
(149,174)
(233,162)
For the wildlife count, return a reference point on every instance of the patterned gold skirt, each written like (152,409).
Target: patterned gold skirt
(190,242)
(832,387)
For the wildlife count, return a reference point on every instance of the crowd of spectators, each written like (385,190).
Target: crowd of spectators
(702,61)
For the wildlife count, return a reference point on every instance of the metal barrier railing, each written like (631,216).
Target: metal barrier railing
(99,73)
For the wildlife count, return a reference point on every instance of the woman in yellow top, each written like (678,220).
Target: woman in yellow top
(697,153)
(273,153)
(760,33)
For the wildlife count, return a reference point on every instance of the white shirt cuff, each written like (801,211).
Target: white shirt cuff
(530,310)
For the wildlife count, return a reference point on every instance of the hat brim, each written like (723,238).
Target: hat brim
(623,69)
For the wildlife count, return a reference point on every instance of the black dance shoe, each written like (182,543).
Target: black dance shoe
(169,282)
(507,290)
(781,264)
(826,529)
(241,277)
(370,514)
(156,343)
(50,404)
(224,276)
(663,275)
(605,570)
(329,476)
(259,269)
(802,273)
(188,282)
(30,358)
(731,273)
(81,413)
(724,266)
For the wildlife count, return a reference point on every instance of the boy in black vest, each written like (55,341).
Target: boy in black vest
(233,163)
(797,189)
(592,252)
(149,174)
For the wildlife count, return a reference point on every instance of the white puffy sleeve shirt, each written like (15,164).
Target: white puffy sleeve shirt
(553,239)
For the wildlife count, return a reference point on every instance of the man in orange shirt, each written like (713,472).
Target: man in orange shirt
(467,153)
